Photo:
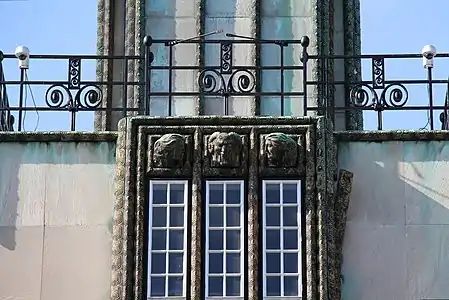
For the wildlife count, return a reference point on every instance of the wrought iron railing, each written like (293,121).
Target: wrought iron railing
(332,83)
(6,119)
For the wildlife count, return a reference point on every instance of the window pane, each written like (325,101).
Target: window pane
(273,239)
(159,216)
(159,193)
(176,216)
(233,239)
(273,285)
(157,286)
(216,193)
(215,286)
(232,216)
(233,194)
(291,239)
(176,239)
(216,239)
(273,216)
(232,286)
(175,263)
(216,216)
(158,263)
(158,239)
(272,193)
(175,286)
(290,192)
(273,263)
(176,194)
(291,286)
(290,216)
(233,263)
(291,263)
(216,263)
(166,214)
(281,239)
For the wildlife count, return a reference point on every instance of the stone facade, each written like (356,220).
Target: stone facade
(228,147)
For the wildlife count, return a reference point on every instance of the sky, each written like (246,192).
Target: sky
(69,27)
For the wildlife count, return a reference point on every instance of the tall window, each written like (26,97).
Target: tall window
(224,239)
(167,239)
(282,239)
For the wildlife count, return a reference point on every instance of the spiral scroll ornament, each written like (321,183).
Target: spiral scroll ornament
(59,96)
(365,96)
(74,73)
(226,58)
(212,81)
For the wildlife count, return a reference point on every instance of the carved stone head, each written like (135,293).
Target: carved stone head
(225,149)
(280,150)
(169,151)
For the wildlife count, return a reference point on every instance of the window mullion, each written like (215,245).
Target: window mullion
(167,245)
(225,271)
(281,234)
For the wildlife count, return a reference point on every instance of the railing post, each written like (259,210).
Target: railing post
(305,41)
(149,57)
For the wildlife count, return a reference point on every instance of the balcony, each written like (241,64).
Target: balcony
(282,74)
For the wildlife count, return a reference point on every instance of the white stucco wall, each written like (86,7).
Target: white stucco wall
(56,203)
(396,244)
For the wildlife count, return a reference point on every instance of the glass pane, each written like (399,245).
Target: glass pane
(290,216)
(233,193)
(291,263)
(291,239)
(158,263)
(233,263)
(272,193)
(291,286)
(232,216)
(216,239)
(176,216)
(159,193)
(290,193)
(175,263)
(159,217)
(273,216)
(273,239)
(215,286)
(232,286)
(215,216)
(176,239)
(175,286)
(157,286)
(176,194)
(158,239)
(216,263)
(233,239)
(216,193)
(273,285)
(273,263)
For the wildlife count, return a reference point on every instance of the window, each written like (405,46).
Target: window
(224,239)
(167,239)
(282,239)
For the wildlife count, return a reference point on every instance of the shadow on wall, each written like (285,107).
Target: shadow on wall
(397,233)
(26,177)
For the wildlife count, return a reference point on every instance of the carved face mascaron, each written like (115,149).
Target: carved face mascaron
(225,149)
(280,150)
(169,151)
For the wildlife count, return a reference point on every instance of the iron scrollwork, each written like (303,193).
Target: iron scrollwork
(228,80)
(365,96)
(378,70)
(61,96)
